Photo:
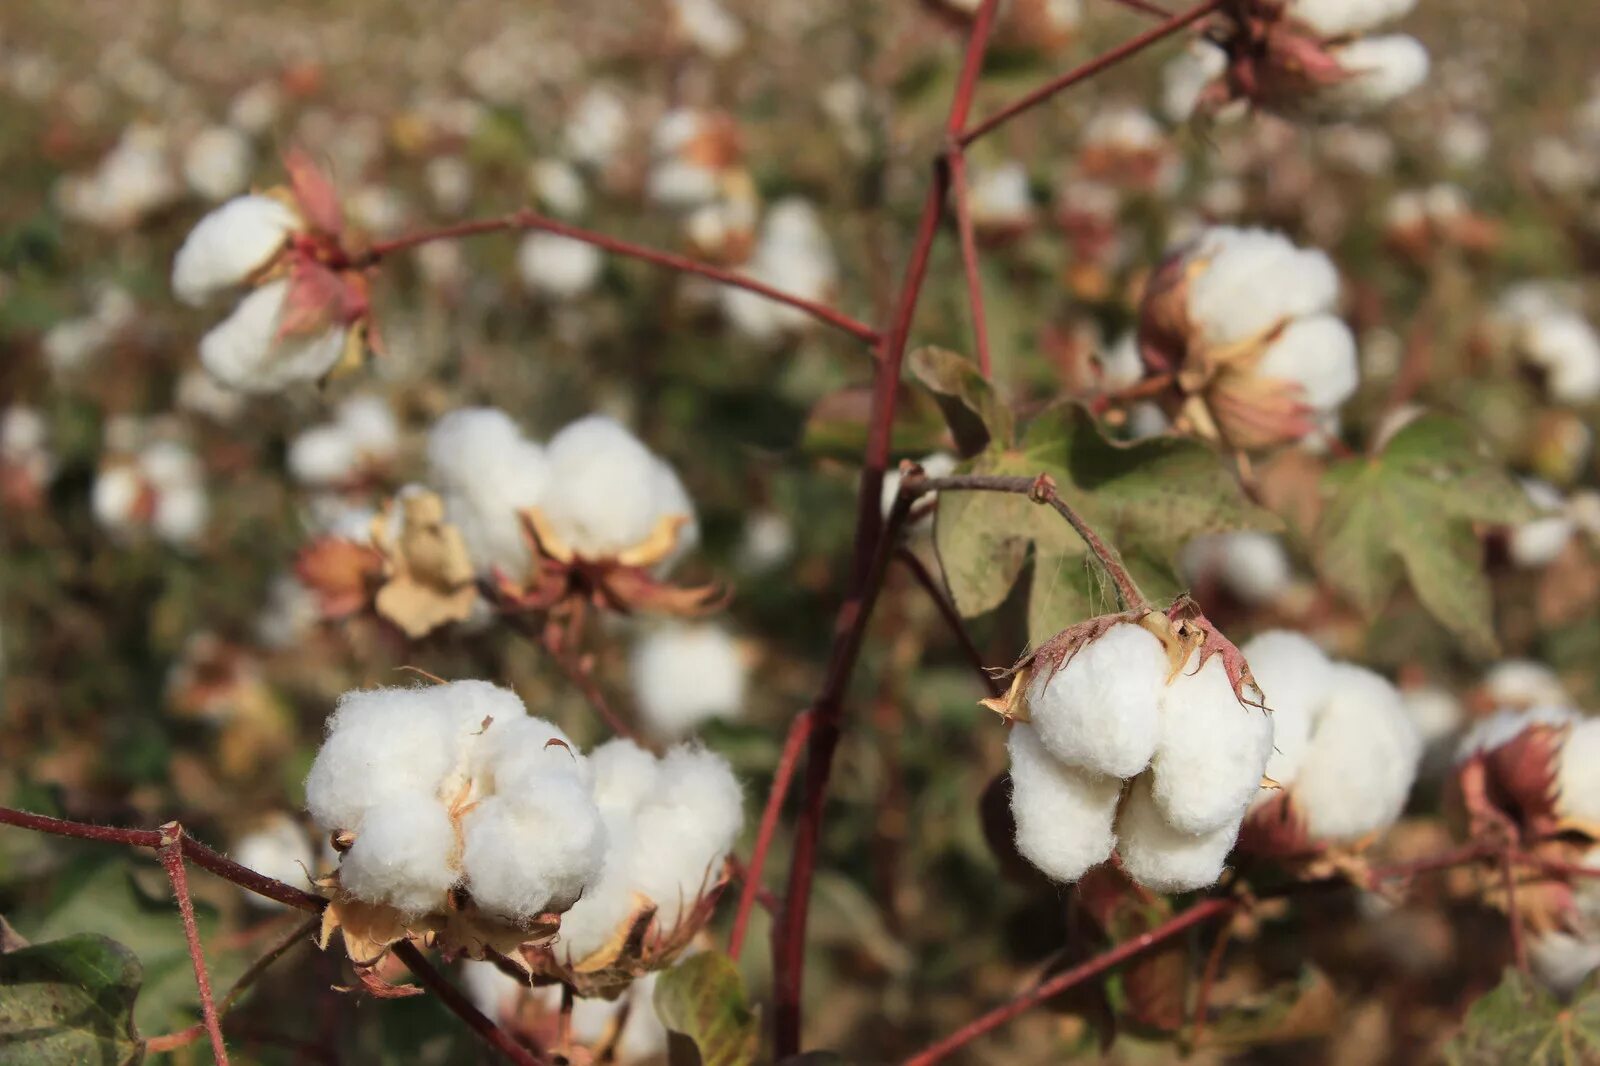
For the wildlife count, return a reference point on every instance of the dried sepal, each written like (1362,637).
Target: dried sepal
(341,572)
(314,193)
(1193,632)
(428,575)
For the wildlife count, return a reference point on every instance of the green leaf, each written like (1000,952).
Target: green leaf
(69,1001)
(976,414)
(1520,1022)
(1409,512)
(702,1003)
(1147,499)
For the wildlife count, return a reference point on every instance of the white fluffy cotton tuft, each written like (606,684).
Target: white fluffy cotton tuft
(1253,280)
(684,675)
(1362,758)
(558,267)
(1064,815)
(607,492)
(1294,675)
(1102,710)
(1380,70)
(1318,353)
(1162,857)
(1212,752)
(245,351)
(487,472)
(1578,772)
(229,245)
(1338,18)
(280,849)
(402,855)
(535,850)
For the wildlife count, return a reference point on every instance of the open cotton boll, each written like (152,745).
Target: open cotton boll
(1254,279)
(1362,759)
(402,855)
(278,849)
(624,774)
(709,27)
(534,850)
(517,748)
(1212,751)
(487,472)
(1379,70)
(1434,712)
(229,245)
(556,266)
(1101,711)
(180,515)
(1561,960)
(597,126)
(323,456)
(684,675)
(1318,353)
(1578,772)
(245,352)
(1162,857)
(1538,543)
(1504,726)
(1294,675)
(217,162)
(370,424)
(1064,815)
(684,830)
(607,492)
(1565,346)
(1523,683)
(938,464)
(1339,18)
(1253,566)
(558,186)
(1186,76)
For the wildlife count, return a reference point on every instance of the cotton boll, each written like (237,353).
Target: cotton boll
(532,851)
(938,464)
(681,184)
(684,675)
(597,127)
(1294,676)
(1253,566)
(116,495)
(1502,727)
(1253,280)
(1186,77)
(323,456)
(1340,18)
(449,180)
(1317,353)
(1537,543)
(1101,711)
(1578,772)
(556,266)
(604,487)
(684,830)
(1362,759)
(1163,858)
(1000,195)
(1212,752)
(370,425)
(558,186)
(180,515)
(1380,69)
(245,352)
(402,855)
(278,849)
(766,543)
(229,245)
(1064,815)
(1523,683)
(1561,961)
(217,162)
(1567,349)
(518,750)
(643,1038)
(624,774)
(493,991)
(487,473)
(709,27)
(1434,713)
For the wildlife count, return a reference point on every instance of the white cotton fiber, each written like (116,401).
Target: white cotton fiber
(280,849)
(558,267)
(1064,815)
(381,743)
(1318,353)
(1102,710)
(491,989)
(1578,774)
(217,162)
(1186,77)
(322,456)
(1294,676)
(684,675)
(1564,345)
(230,244)
(607,491)
(1504,726)
(402,855)
(1523,683)
(180,515)
(115,496)
(1434,712)
(487,472)
(520,749)
(624,774)
(1380,69)
(1163,858)
(1539,542)
(1212,751)
(1561,960)
(1338,18)
(535,850)
(1254,566)
(1362,758)
(245,352)
(1253,280)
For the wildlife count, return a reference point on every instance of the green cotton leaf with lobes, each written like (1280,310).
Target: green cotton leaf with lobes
(708,1016)
(69,1001)
(1520,1022)
(1147,499)
(1409,511)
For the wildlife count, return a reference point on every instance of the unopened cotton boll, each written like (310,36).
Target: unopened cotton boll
(1253,280)
(281,850)
(684,675)
(229,245)
(487,472)
(1294,675)
(534,850)
(1101,711)
(1318,353)
(402,855)
(556,266)
(1362,758)
(1212,752)
(1340,18)
(1379,70)
(218,161)
(1162,857)
(1063,814)
(607,492)
(246,352)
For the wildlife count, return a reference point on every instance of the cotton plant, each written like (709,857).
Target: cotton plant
(300,310)
(1244,323)
(558,268)
(1140,734)
(686,674)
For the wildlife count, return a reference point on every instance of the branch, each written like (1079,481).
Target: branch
(783,776)
(531,220)
(1089,70)
(951,616)
(1058,984)
(171,851)
(969,256)
(1144,7)
(459,1005)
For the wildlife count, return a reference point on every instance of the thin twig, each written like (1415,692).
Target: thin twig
(171,852)
(1058,984)
(782,777)
(1145,7)
(459,1005)
(1089,69)
(1461,856)
(560,650)
(1508,874)
(969,256)
(531,220)
(1208,979)
(951,616)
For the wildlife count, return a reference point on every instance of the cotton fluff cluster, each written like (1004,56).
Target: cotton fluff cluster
(642,1039)
(217,162)
(558,267)
(1372,71)
(1246,319)
(160,487)
(1540,541)
(692,153)
(280,849)
(1545,331)
(72,345)
(669,825)
(1253,566)
(362,438)
(1124,146)
(456,786)
(1000,199)
(684,675)
(598,490)
(27,462)
(1346,750)
(1190,753)
(133,180)
(598,127)
(792,255)
(708,26)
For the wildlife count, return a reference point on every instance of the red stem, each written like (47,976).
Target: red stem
(1088,70)
(951,616)
(1067,979)
(1508,874)
(969,256)
(750,890)
(1458,857)
(1144,7)
(459,1005)
(171,852)
(532,220)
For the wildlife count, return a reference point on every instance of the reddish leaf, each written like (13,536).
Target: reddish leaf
(314,192)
